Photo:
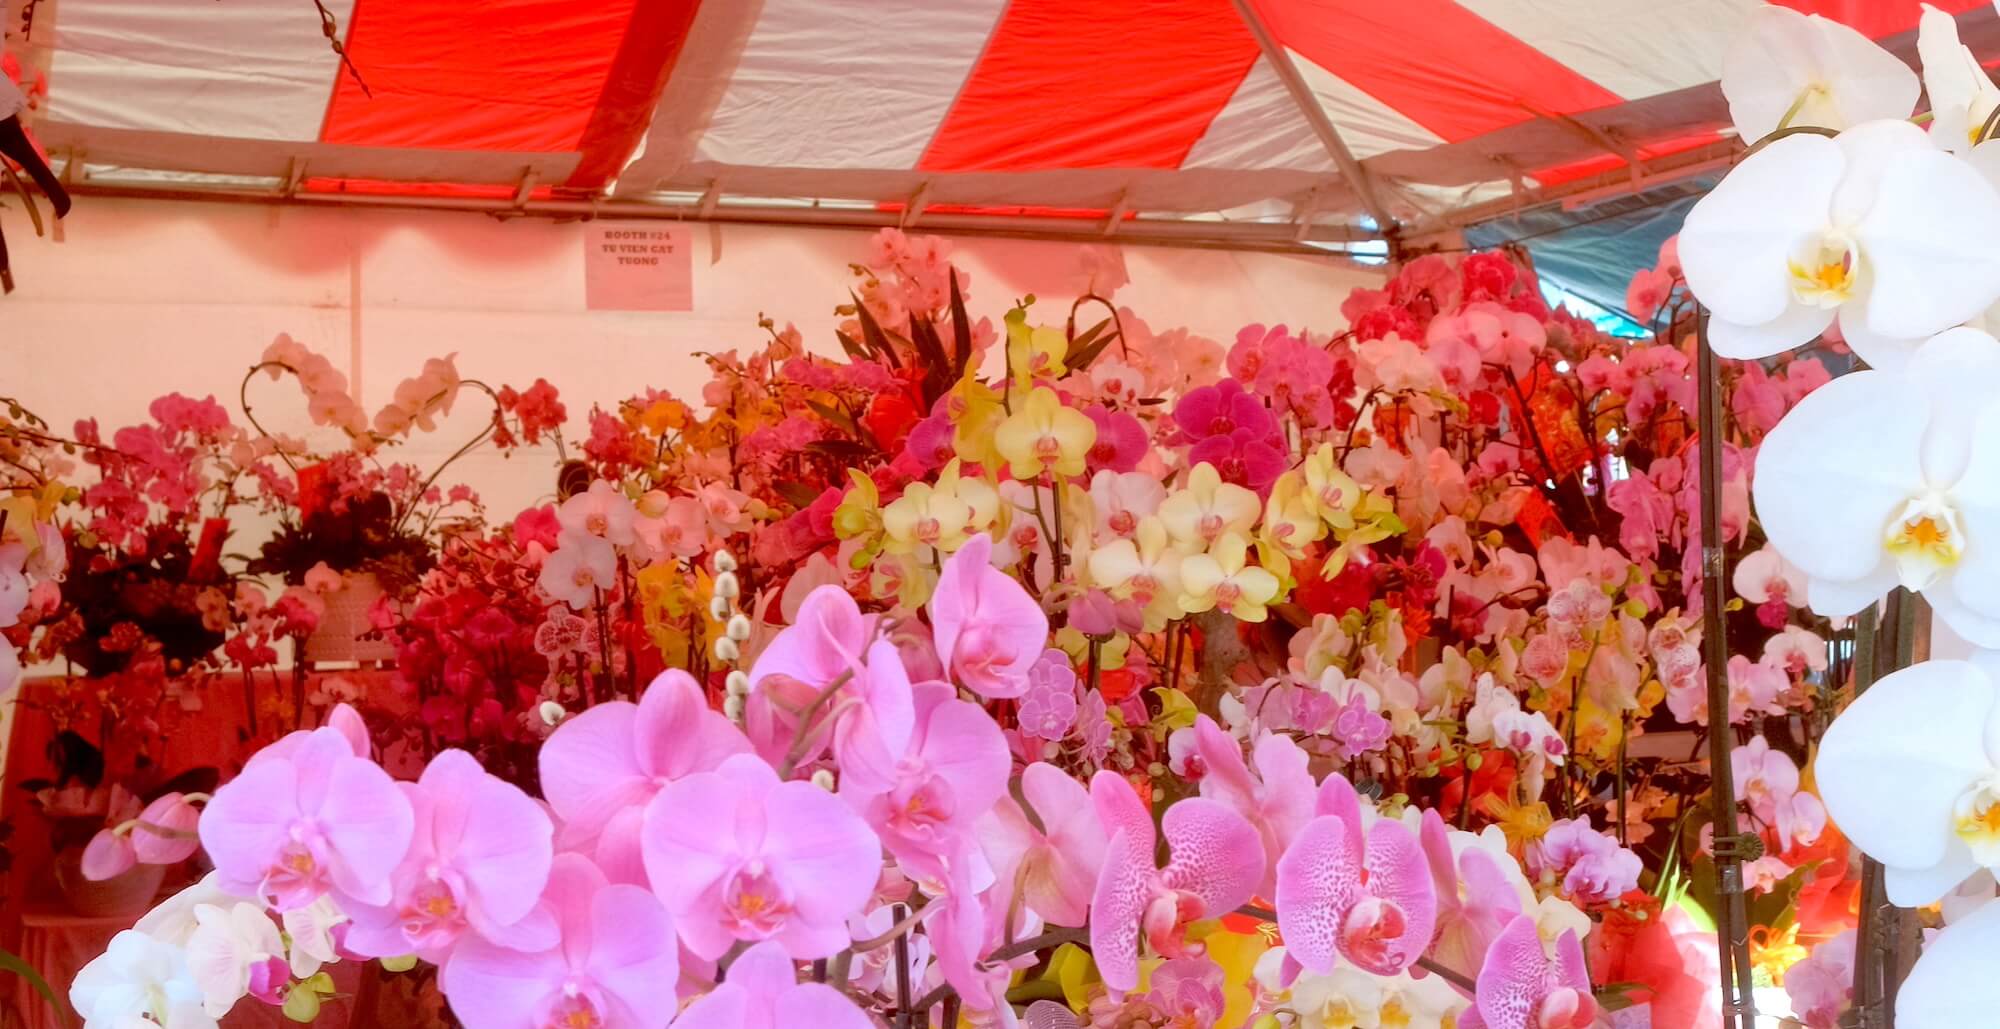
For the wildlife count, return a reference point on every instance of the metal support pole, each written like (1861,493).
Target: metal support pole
(1732,923)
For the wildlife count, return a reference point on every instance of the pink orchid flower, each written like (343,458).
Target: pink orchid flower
(1367,897)
(738,855)
(1055,865)
(306,819)
(874,723)
(1520,988)
(825,641)
(1277,798)
(613,963)
(478,861)
(600,768)
(107,856)
(165,834)
(762,991)
(989,631)
(955,769)
(1217,861)
(1475,901)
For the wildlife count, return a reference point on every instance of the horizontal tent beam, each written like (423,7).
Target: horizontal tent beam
(1280,237)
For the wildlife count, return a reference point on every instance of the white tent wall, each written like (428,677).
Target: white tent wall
(144,297)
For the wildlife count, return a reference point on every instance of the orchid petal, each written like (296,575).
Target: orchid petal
(1217,855)
(677,732)
(587,756)
(1798,324)
(1739,241)
(1319,879)
(633,951)
(1892,767)
(1117,905)
(1953,984)
(1928,243)
(1837,469)
(1397,873)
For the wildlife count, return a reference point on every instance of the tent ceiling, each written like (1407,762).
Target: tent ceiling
(1271,120)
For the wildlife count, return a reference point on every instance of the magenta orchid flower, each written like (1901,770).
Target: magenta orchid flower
(478,861)
(613,963)
(1367,897)
(1277,798)
(1520,988)
(738,855)
(1216,863)
(600,768)
(955,769)
(308,819)
(1056,865)
(762,991)
(989,631)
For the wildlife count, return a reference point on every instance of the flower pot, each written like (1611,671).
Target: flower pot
(346,618)
(122,896)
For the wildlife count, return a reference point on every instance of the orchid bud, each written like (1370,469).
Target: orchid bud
(739,628)
(726,650)
(823,779)
(725,561)
(738,684)
(727,587)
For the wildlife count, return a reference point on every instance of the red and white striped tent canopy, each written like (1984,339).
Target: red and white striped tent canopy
(1275,121)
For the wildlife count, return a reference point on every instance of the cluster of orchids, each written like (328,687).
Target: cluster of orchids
(1849,218)
(857,845)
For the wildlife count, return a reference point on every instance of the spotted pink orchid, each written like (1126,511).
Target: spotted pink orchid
(762,991)
(1345,893)
(989,632)
(612,963)
(308,817)
(954,770)
(1519,987)
(601,768)
(478,861)
(1277,798)
(738,855)
(1054,866)
(1217,860)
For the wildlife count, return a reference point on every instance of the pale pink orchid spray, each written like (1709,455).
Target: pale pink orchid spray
(478,861)
(600,768)
(612,963)
(1054,866)
(307,817)
(955,769)
(762,991)
(989,631)
(737,854)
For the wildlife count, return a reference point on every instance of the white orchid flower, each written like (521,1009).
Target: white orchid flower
(227,946)
(1910,772)
(1953,985)
(1882,478)
(138,978)
(1814,69)
(1962,95)
(1877,226)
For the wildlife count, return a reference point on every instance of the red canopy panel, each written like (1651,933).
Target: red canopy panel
(1156,108)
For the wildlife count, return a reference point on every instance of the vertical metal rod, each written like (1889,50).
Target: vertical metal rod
(1731,920)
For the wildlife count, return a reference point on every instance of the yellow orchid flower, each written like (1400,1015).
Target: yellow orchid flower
(1042,437)
(1290,522)
(943,514)
(1330,493)
(1207,508)
(976,411)
(859,516)
(1144,569)
(1034,353)
(1224,579)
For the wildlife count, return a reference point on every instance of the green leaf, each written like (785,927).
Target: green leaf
(872,334)
(1080,356)
(10,963)
(854,350)
(797,493)
(836,416)
(961,330)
